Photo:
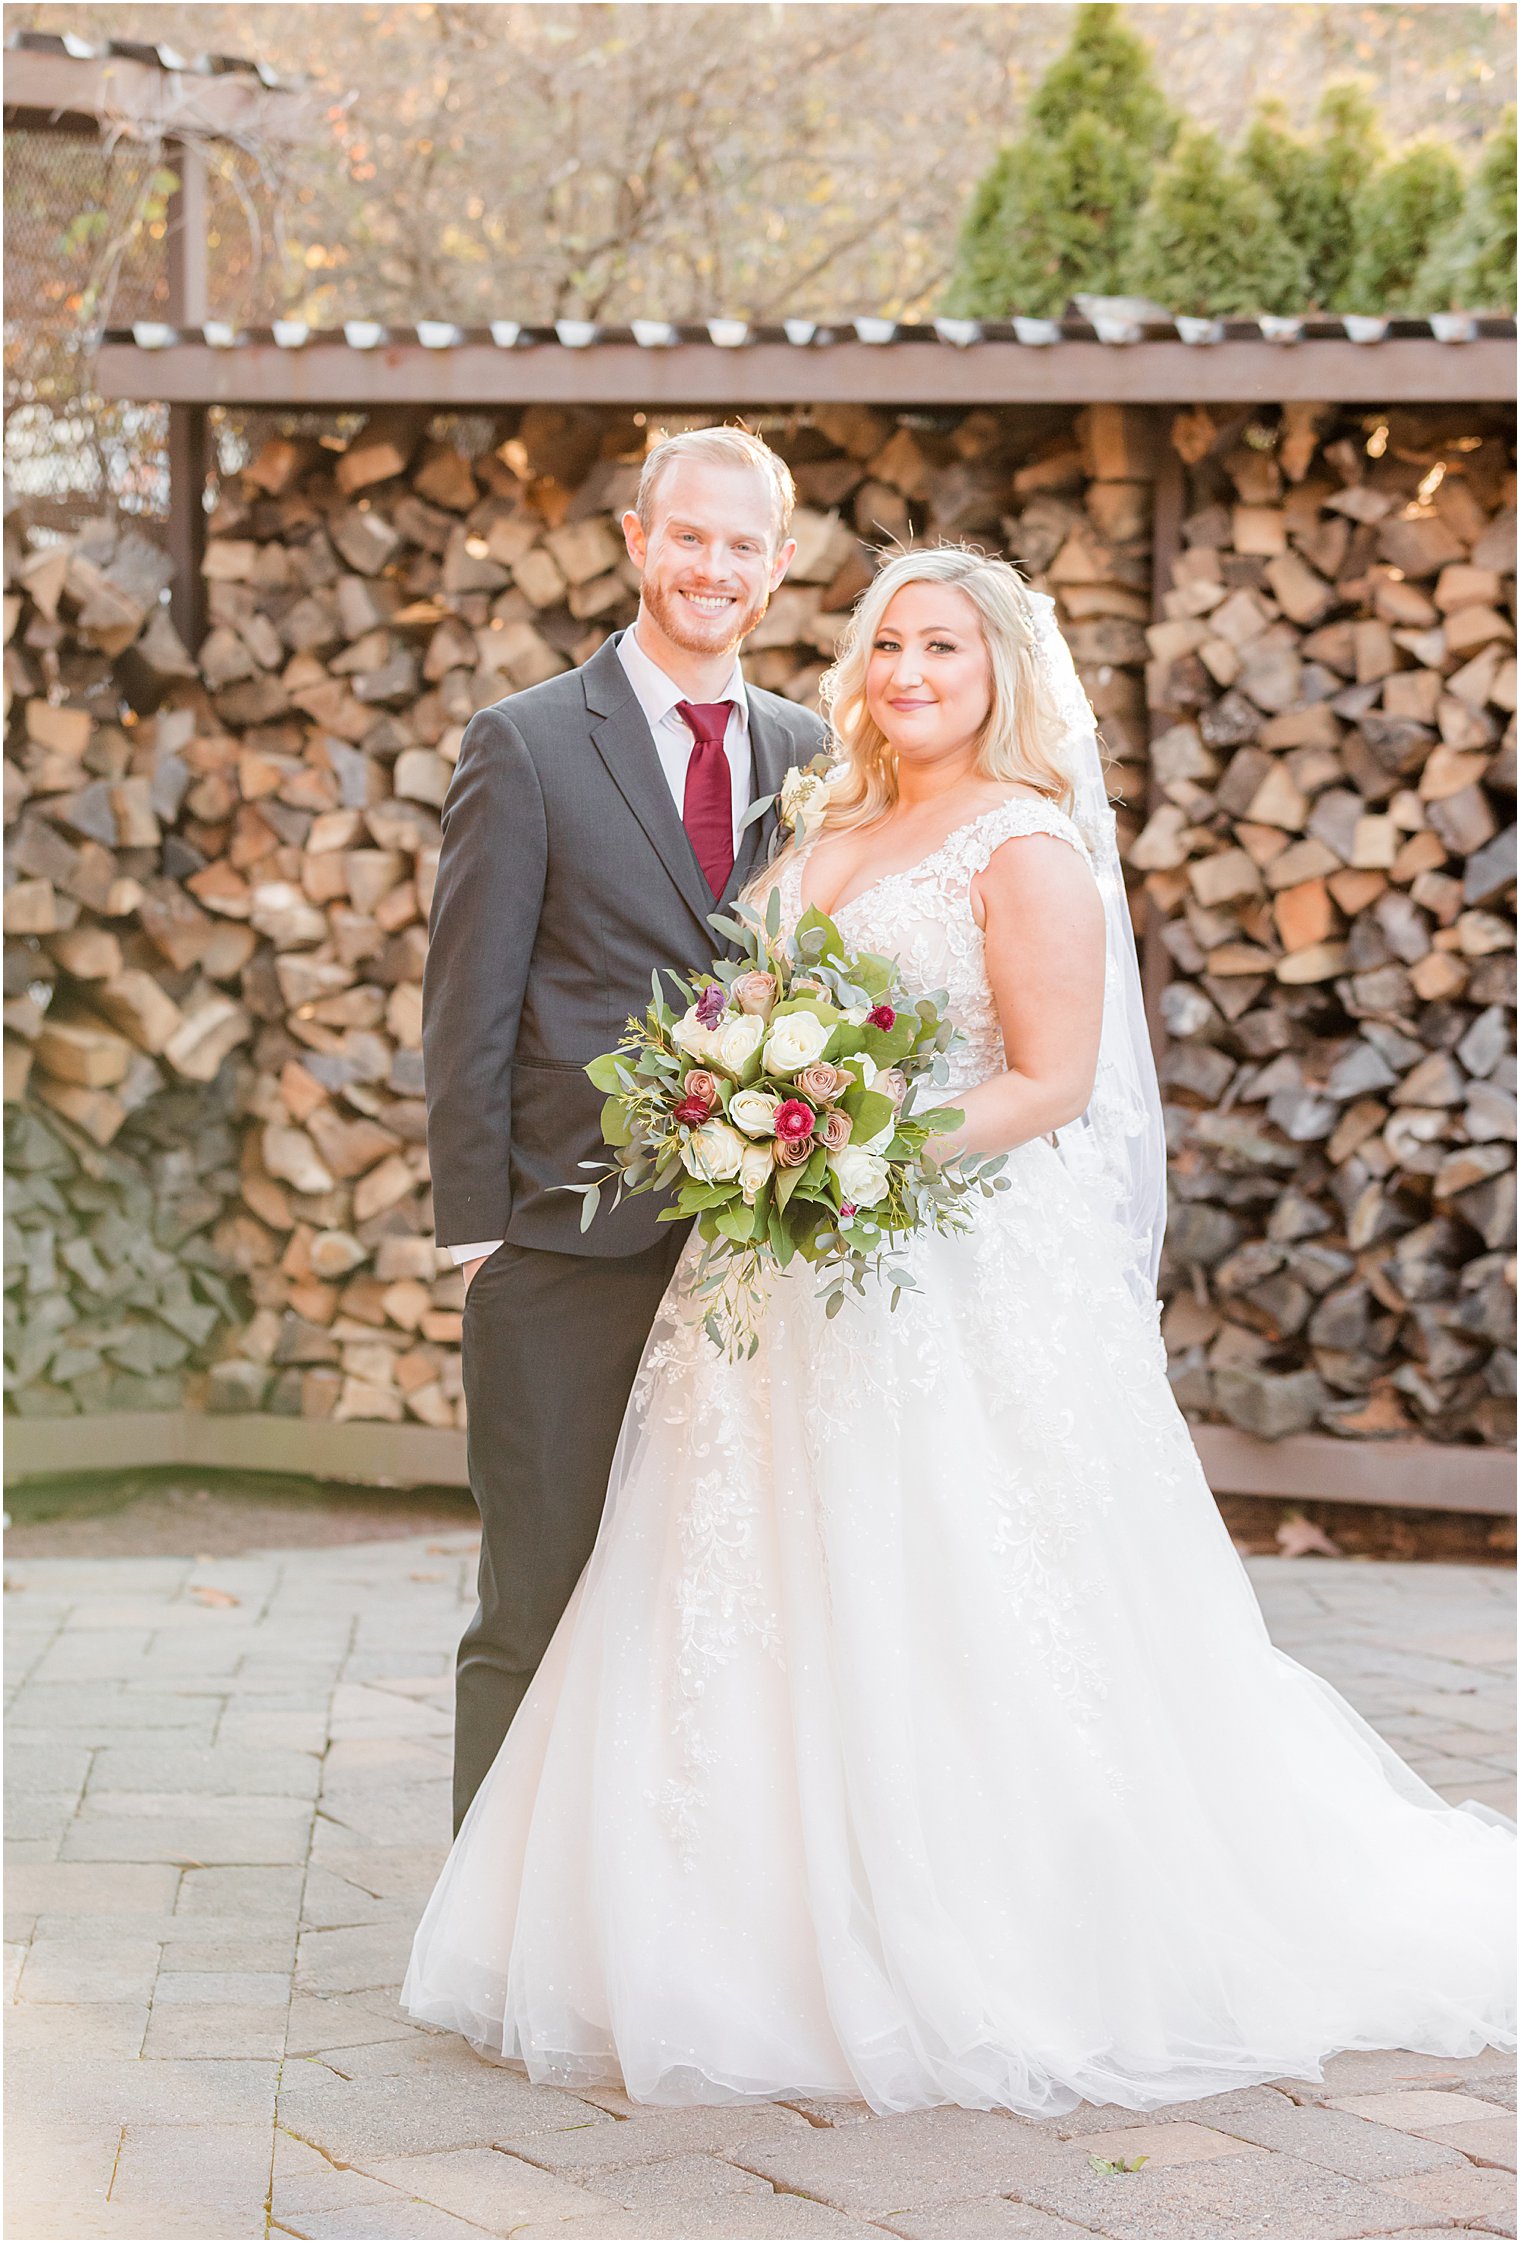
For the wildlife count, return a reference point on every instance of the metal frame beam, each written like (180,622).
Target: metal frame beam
(332,373)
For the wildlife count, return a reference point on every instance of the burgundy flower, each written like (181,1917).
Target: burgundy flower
(882,1017)
(846,1210)
(794,1121)
(711,1004)
(693,1111)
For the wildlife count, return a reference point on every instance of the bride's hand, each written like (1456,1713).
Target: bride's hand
(470,1268)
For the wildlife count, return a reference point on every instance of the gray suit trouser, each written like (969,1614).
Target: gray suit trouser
(551,1346)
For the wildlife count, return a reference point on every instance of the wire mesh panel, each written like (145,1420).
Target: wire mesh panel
(84,228)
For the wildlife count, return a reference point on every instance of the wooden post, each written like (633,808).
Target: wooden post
(1168,498)
(185,242)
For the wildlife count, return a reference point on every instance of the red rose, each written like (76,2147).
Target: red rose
(847,1209)
(693,1111)
(794,1121)
(882,1017)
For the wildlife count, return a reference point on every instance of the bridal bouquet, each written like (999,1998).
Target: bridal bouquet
(780,1106)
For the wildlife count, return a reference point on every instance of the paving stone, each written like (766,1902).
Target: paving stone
(275,1835)
(256,1892)
(1368,2071)
(354,1958)
(87,1970)
(830,2110)
(224,1770)
(332,2022)
(1206,2110)
(762,2217)
(988,2216)
(43,1817)
(1490,2141)
(161,2166)
(1180,2144)
(1256,2193)
(898,2165)
(571,2145)
(1415,2110)
(97,2028)
(330,1901)
(417,2048)
(1337,2139)
(1459,2192)
(251,1989)
(411,1813)
(228,2029)
(44,1764)
(82,1889)
(678,2186)
(403,2114)
(497,2192)
(60,2088)
(96,1710)
(377,2222)
(263,1949)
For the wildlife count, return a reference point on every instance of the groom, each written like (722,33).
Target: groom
(592,824)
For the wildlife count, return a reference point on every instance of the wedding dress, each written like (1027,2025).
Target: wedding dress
(914,1734)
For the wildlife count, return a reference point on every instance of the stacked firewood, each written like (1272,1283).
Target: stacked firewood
(221,869)
(1331,847)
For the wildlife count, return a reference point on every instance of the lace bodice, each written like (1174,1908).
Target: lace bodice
(923,918)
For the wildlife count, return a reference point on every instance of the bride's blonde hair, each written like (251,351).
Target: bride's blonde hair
(1023,722)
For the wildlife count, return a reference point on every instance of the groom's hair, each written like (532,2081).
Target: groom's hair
(720,447)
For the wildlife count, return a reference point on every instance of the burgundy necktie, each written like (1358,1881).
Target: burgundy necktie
(708,808)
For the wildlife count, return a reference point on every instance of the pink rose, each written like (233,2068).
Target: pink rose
(834,1130)
(793,1152)
(794,1121)
(823,1083)
(755,993)
(890,1081)
(702,1083)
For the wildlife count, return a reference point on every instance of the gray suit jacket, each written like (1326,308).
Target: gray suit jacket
(565,877)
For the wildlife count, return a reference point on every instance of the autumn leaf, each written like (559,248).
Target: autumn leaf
(1298,1537)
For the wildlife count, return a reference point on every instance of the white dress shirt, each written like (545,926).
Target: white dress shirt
(674,739)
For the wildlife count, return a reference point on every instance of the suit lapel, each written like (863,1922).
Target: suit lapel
(770,757)
(625,744)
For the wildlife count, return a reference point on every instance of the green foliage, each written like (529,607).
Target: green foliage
(1471,266)
(1105,71)
(1056,211)
(1396,216)
(1314,179)
(1211,240)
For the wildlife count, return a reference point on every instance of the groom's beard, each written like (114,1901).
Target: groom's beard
(694,634)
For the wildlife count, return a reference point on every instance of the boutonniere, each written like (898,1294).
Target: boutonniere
(802,802)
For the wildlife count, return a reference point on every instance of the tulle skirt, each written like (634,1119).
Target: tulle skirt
(914,1734)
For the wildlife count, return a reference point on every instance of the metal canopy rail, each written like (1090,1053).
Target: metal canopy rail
(1447,359)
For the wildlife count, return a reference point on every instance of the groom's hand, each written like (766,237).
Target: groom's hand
(471,1267)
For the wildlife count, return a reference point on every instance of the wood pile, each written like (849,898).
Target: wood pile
(1331,851)
(219,871)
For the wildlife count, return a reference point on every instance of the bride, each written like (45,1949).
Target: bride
(913,1733)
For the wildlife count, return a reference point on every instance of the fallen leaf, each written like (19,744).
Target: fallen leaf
(204,1594)
(1298,1537)
(426,1577)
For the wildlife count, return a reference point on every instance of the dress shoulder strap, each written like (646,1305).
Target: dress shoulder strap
(1016,817)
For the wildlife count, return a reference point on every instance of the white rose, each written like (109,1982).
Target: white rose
(863,1177)
(690,1036)
(735,1044)
(713,1153)
(755,1168)
(804,800)
(795,1040)
(754,1111)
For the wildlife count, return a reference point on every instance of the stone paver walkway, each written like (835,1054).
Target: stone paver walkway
(228,1790)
